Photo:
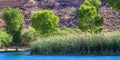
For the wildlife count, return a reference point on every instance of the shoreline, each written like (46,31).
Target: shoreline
(14,50)
(78,54)
(107,54)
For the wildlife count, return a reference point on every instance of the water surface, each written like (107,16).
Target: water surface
(25,56)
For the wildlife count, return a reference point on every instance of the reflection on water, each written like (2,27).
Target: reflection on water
(14,53)
(25,56)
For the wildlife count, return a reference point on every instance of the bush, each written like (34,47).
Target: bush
(5,39)
(67,31)
(103,44)
(89,18)
(28,35)
(45,22)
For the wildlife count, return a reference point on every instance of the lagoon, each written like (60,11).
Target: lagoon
(26,56)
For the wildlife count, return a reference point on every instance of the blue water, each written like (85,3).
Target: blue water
(25,56)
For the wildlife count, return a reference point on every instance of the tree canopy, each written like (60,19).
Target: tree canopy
(95,3)
(45,21)
(13,19)
(89,18)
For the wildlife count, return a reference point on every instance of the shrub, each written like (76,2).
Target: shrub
(89,18)
(13,19)
(5,39)
(67,31)
(103,43)
(45,22)
(28,35)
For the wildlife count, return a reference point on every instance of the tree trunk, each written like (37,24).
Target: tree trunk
(6,49)
(16,47)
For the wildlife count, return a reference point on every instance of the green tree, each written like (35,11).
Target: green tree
(115,4)
(13,19)
(96,3)
(45,22)
(89,18)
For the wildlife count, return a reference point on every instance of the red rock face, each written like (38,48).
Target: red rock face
(11,3)
(65,9)
(2,23)
(111,19)
(10,0)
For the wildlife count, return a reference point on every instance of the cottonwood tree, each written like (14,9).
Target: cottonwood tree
(13,19)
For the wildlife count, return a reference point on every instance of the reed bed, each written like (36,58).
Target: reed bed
(78,44)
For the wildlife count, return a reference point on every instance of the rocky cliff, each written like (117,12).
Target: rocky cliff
(67,11)
(11,3)
(111,18)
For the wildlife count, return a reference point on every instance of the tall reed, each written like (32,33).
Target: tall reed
(77,44)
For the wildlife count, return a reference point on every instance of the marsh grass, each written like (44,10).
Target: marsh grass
(77,44)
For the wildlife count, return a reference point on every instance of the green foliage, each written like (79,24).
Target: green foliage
(16,38)
(45,21)
(5,39)
(28,35)
(67,31)
(14,20)
(115,4)
(89,18)
(78,44)
(96,3)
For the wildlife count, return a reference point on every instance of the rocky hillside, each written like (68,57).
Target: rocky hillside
(111,18)
(67,11)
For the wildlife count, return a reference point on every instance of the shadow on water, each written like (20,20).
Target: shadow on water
(14,53)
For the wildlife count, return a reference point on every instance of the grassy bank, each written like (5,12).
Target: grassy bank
(77,44)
